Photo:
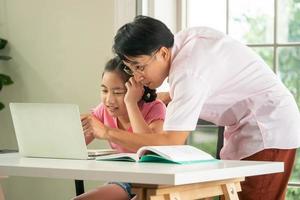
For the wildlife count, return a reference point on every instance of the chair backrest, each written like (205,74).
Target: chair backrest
(220,141)
(220,136)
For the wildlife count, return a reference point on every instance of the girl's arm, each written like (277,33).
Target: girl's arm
(139,125)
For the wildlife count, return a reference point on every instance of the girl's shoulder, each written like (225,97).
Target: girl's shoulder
(155,103)
(156,106)
(99,111)
(154,110)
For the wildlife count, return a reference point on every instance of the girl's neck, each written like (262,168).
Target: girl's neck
(123,122)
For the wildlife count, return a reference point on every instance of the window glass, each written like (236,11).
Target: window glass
(168,16)
(157,9)
(206,13)
(293,193)
(266,53)
(289,70)
(288,21)
(252,21)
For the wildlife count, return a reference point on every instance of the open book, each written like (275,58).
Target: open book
(180,154)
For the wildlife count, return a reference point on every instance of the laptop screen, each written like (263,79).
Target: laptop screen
(48,130)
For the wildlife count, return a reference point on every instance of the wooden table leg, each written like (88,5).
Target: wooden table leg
(162,197)
(139,192)
(171,196)
(174,196)
(230,192)
(226,188)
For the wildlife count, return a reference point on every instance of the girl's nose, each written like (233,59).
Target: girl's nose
(110,98)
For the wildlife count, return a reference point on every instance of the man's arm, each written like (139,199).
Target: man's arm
(132,141)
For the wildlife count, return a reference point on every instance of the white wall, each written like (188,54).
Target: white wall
(59,48)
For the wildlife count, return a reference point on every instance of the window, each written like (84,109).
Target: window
(270,27)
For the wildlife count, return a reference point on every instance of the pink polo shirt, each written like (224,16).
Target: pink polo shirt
(215,78)
(150,111)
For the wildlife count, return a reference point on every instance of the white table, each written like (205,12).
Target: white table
(160,181)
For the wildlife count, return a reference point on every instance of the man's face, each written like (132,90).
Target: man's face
(150,70)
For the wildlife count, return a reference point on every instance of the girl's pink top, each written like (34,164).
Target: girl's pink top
(151,112)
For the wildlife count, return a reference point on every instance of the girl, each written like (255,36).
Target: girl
(126,105)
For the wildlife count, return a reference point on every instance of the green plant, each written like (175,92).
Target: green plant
(4,79)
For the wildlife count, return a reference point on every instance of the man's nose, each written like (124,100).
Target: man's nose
(138,77)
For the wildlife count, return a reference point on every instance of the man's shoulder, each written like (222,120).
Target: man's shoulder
(204,31)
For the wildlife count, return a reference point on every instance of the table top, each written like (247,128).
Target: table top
(12,164)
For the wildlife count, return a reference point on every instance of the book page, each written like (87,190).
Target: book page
(177,153)
(131,157)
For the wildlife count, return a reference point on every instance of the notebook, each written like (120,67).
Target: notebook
(50,131)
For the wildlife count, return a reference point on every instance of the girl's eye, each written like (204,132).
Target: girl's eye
(104,91)
(119,92)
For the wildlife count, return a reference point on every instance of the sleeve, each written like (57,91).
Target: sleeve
(156,112)
(98,112)
(189,95)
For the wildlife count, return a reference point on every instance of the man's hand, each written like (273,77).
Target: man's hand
(93,128)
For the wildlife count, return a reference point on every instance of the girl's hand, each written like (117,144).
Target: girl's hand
(87,136)
(93,128)
(134,92)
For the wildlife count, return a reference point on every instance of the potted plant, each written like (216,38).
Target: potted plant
(4,79)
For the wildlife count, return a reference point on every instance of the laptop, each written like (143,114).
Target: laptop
(50,131)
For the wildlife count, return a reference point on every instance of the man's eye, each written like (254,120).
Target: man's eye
(104,91)
(138,67)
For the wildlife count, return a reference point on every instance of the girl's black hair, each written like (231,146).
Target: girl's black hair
(116,65)
(142,37)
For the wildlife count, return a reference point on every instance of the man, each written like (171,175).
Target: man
(215,78)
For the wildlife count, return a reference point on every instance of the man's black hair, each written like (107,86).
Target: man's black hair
(142,37)
(116,65)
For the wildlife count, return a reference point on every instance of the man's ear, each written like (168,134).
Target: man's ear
(165,52)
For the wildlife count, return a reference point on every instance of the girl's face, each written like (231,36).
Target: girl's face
(112,94)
